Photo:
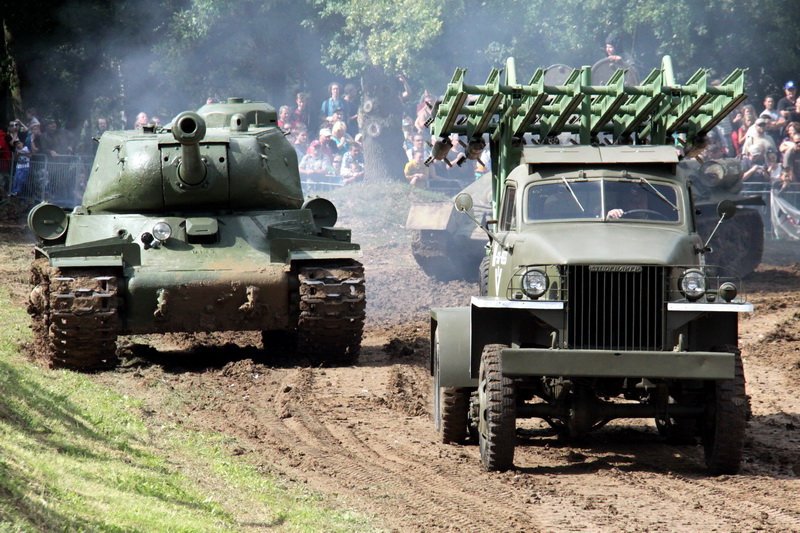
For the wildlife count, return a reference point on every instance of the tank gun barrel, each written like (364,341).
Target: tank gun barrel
(189,129)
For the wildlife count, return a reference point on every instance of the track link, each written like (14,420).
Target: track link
(75,316)
(332,310)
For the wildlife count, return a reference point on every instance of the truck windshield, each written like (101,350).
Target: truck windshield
(631,199)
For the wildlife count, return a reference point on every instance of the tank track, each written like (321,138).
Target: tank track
(75,317)
(332,310)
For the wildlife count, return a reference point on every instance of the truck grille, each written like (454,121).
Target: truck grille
(615,307)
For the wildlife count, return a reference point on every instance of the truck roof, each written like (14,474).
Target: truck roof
(578,154)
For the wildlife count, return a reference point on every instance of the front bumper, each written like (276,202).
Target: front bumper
(517,362)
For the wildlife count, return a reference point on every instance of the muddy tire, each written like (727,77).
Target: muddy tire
(450,404)
(723,437)
(497,412)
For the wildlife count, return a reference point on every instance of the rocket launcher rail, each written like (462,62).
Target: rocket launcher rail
(648,113)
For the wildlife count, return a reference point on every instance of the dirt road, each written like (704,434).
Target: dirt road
(364,436)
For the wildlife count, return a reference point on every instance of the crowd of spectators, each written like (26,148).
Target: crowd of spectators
(329,146)
(330,150)
(767,142)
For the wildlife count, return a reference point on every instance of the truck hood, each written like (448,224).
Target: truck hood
(609,243)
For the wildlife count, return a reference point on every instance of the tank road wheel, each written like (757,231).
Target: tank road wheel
(450,405)
(75,318)
(497,412)
(332,308)
(723,436)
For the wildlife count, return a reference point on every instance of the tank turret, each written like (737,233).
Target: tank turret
(229,155)
(199,226)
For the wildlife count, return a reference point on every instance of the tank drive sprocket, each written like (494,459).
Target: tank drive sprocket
(75,316)
(332,310)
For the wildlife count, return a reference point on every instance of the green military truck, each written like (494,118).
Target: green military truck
(596,302)
(199,226)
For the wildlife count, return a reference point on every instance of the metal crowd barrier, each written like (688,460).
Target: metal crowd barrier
(57,179)
(765,192)
(315,187)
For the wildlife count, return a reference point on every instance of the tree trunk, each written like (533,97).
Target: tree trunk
(380,119)
(12,75)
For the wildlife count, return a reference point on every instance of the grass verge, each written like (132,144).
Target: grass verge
(76,456)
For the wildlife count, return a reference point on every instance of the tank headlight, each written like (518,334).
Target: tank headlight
(693,284)
(534,283)
(162,231)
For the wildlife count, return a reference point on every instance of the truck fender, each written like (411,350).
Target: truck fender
(450,347)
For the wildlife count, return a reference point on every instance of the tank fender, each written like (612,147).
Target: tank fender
(450,338)
(429,216)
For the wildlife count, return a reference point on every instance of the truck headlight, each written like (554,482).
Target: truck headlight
(693,284)
(162,231)
(534,283)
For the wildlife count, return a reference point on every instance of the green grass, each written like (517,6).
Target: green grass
(76,456)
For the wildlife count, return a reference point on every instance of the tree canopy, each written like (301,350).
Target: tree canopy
(82,59)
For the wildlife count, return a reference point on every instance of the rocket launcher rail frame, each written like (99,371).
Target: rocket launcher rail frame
(648,113)
(652,111)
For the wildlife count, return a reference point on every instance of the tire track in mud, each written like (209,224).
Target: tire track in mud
(365,442)
(426,493)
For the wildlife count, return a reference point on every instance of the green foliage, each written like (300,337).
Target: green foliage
(381,33)
(105,57)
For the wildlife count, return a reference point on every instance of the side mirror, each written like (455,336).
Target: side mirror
(726,209)
(463,202)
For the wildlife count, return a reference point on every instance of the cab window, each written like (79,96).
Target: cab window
(508,217)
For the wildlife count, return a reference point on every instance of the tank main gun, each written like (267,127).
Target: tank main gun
(652,112)
(189,129)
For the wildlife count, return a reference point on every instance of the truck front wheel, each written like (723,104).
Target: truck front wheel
(497,419)
(723,437)
(450,404)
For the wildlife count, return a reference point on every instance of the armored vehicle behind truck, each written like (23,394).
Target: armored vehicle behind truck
(199,226)
(597,301)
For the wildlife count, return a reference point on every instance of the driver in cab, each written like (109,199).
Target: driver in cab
(635,199)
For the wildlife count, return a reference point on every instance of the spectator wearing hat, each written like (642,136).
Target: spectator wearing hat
(758,135)
(315,166)
(337,116)
(754,166)
(328,147)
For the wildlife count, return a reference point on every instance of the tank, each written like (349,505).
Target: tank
(444,242)
(199,226)
(740,242)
